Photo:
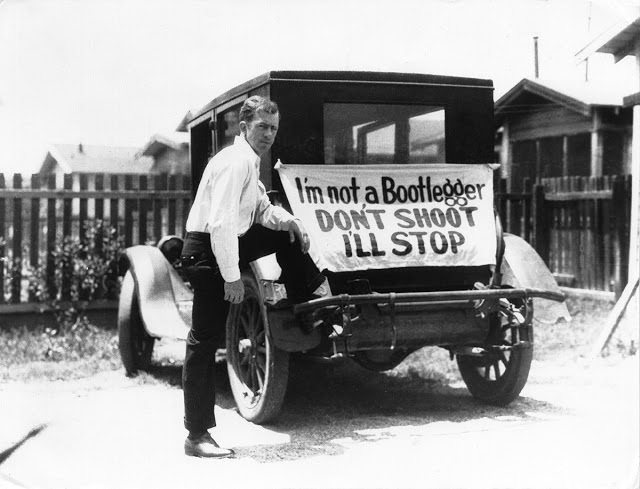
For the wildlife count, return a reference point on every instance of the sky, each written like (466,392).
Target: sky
(116,72)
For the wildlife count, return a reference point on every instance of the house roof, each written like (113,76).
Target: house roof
(618,39)
(622,42)
(174,140)
(579,97)
(81,158)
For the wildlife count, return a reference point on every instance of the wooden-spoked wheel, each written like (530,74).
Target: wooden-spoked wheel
(258,370)
(498,376)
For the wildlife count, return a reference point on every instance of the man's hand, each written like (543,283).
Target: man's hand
(234,291)
(297,230)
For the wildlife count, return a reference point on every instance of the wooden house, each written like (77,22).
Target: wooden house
(169,152)
(549,130)
(64,159)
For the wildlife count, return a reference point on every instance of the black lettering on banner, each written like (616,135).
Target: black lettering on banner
(439,242)
(419,235)
(437,217)
(360,252)
(359,218)
(422,217)
(314,194)
(377,215)
(456,239)
(470,191)
(388,195)
(407,222)
(341,219)
(348,251)
(345,194)
(363,249)
(469,213)
(453,217)
(375,251)
(396,239)
(325,221)
(371,195)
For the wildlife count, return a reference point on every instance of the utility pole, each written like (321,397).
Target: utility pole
(535,56)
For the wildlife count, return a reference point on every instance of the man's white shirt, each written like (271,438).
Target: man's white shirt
(229,200)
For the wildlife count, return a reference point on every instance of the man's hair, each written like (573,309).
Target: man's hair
(255,103)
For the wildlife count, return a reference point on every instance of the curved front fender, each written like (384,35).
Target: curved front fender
(523,267)
(162,293)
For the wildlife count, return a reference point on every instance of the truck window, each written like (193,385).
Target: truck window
(228,127)
(383,134)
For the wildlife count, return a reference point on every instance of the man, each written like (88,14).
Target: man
(231,223)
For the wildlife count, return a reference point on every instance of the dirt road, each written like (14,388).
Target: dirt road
(575,426)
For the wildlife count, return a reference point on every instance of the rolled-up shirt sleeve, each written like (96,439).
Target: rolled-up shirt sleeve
(269,215)
(227,180)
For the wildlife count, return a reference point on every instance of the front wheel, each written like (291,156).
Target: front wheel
(258,370)
(498,376)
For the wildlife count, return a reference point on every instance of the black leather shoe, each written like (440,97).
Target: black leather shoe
(205,446)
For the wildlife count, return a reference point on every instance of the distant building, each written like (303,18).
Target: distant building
(80,158)
(548,130)
(169,152)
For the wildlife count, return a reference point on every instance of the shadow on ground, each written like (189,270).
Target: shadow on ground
(329,400)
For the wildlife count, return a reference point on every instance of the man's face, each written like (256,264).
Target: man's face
(261,131)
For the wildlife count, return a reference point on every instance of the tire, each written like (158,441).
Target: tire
(498,378)
(134,343)
(258,371)
(380,360)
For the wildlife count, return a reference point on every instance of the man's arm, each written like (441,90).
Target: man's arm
(274,217)
(226,183)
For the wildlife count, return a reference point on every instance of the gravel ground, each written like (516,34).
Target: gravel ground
(574,426)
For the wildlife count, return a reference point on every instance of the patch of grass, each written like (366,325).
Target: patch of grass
(571,340)
(559,342)
(45,353)
(28,353)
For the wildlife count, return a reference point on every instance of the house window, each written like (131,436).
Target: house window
(523,163)
(383,134)
(227,126)
(579,155)
(612,153)
(550,157)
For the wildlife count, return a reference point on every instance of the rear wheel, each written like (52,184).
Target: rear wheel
(258,371)
(498,376)
(134,343)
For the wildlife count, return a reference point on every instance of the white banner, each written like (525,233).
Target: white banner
(380,216)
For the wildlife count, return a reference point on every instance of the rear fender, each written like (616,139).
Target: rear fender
(523,267)
(161,292)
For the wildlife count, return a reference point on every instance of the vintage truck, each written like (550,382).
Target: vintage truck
(391,174)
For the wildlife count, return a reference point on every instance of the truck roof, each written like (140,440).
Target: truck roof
(345,77)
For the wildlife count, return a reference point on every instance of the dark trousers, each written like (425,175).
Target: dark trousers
(299,274)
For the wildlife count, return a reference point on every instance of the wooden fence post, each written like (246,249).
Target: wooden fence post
(16,265)
(540,224)
(51,237)
(67,217)
(3,250)
(527,224)
(619,202)
(34,231)
(171,212)
(143,209)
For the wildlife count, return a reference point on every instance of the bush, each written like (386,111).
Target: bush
(85,269)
